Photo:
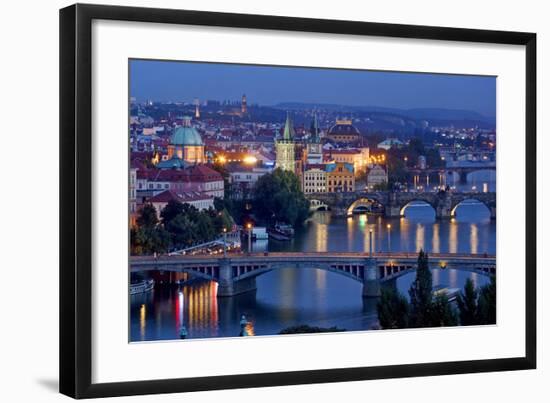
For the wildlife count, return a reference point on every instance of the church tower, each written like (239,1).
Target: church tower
(313,147)
(284,148)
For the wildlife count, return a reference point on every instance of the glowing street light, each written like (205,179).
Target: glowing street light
(389,237)
(224,242)
(249,227)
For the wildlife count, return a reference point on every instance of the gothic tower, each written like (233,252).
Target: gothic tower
(313,148)
(284,148)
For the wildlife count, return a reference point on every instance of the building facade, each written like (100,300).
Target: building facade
(314,179)
(340,177)
(198,200)
(377,175)
(358,157)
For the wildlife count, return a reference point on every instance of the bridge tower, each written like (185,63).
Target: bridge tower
(371,279)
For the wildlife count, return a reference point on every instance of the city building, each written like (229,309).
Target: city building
(314,179)
(314,149)
(358,157)
(285,148)
(343,132)
(198,200)
(377,175)
(243,179)
(195,178)
(340,177)
(186,145)
(389,143)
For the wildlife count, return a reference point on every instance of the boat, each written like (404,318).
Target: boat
(451,293)
(281,232)
(142,286)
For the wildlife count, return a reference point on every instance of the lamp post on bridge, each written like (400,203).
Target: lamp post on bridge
(249,227)
(389,237)
(224,242)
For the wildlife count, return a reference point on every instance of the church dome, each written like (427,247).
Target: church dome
(186,135)
(343,127)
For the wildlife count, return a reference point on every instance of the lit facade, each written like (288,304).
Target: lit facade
(377,176)
(314,179)
(340,177)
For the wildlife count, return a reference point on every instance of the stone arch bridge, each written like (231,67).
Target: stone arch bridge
(236,274)
(444,203)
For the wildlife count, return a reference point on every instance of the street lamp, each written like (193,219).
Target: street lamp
(249,227)
(389,237)
(224,242)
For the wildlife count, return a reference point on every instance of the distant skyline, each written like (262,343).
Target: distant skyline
(270,85)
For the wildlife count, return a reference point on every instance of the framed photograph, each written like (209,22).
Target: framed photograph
(256,201)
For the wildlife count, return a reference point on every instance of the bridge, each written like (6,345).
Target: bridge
(236,273)
(444,203)
(461,168)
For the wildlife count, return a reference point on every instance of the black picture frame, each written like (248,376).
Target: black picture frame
(76,200)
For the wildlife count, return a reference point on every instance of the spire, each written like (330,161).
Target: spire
(288,134)
(314,138)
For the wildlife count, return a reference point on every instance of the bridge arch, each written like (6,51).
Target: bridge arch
(458,203)
(366,205)
(418,202)
(318,205)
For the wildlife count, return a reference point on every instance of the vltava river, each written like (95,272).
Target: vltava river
(289,297)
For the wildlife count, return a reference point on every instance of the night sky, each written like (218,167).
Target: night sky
(266,85)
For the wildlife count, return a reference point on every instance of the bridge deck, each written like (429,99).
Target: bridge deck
(307,255)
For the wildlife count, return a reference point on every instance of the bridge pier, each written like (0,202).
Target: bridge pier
(227,286)
(371,279)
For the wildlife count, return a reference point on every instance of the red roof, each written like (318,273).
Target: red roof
(185,197)
(194,173)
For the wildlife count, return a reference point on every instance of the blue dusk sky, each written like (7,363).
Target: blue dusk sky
(268,85)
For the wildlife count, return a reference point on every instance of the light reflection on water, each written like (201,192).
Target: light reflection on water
(289,297)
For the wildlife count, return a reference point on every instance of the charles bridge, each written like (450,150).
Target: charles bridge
(444,203)
(236,273)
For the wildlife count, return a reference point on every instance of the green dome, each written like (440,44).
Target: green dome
(186,136)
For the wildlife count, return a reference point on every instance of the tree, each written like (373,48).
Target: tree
(171,210)
(441,312)
(147,240)
(392,309)
(421,293)
(278,197)
(487,303)
(147,216)
(467,305)
(183,231)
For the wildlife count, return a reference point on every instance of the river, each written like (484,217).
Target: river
(289,297)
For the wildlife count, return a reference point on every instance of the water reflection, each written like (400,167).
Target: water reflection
(289,297)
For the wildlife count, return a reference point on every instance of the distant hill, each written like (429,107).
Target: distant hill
(436,116)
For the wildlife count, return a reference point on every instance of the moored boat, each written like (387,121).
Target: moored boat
(142,286)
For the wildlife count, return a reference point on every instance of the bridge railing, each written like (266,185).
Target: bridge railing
(377,255)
